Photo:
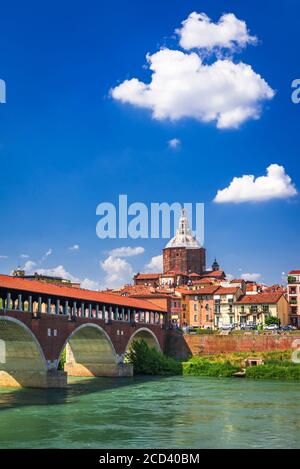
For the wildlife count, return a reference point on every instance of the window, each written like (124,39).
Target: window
(195,318)
(207,318)
(195,307)
(266,308)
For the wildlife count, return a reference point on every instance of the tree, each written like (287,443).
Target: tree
(272,320)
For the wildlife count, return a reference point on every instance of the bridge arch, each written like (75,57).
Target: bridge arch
(22,360)
(147,335)
(90,352)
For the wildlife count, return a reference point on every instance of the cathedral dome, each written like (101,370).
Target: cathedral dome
(184,237)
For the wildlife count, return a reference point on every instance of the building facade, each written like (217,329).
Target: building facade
(293,294)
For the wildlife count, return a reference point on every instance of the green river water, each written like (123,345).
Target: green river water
(176,412)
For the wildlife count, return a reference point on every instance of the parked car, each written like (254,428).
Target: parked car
(271,327)
(287,328)
(227,327)
(248,327)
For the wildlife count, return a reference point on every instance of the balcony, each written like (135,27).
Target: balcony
(293,280)
(293,301)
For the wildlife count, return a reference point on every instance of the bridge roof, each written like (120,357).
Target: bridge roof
(43,288)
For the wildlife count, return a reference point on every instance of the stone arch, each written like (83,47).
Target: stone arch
(147,335)
(22,360)
(90,352)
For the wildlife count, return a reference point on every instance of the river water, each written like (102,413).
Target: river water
(176,412)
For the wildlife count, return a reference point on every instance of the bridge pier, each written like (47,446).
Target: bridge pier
(119,370)
(87,367)
(33,379)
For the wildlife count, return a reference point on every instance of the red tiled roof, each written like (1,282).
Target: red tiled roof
(261,298)
(227,290)
(34,286)
(202,280)
(202,291)
(294,272)
(147,276)
(194,275)
(214,273)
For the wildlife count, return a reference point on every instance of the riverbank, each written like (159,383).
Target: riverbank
(268,365)
(274,365)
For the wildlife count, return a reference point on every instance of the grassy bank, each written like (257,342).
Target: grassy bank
(277,364)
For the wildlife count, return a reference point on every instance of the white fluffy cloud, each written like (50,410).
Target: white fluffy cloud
(118,271)
(58,271)
(29,267)
(155,264)
(127,252)
(76,247)
(24,256)
(251,277)
(3,257)
(275,185)
(174,143)
(183,85)
(89,284)
(199,32)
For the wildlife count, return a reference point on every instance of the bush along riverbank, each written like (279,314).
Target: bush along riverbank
(277,364)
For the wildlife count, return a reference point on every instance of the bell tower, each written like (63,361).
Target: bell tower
(183,253)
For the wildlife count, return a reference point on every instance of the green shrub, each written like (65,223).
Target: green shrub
(148,361)
(202,367)
(284,371)
(62,362)
(272,320)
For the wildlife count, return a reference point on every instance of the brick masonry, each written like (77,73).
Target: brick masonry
(119,332)
(183,346)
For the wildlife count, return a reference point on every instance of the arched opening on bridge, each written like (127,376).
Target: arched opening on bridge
(89,352)
(22,361)
(147,335)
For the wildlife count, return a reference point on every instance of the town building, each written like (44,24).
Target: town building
(254,309)
(293,295)
(224,305)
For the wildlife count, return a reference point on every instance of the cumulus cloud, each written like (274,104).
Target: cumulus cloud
(126,252)
(3,257)
(251,277)
(76,247)
(275,185)
(29,266)
(24,256)
(174,143)
(155,264)
(118,271)
(199,32)
(58,271)
(183,85)
(89,284)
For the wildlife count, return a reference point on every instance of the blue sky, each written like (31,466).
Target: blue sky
(66,145)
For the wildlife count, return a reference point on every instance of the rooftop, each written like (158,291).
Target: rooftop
(261,298)
(43,288)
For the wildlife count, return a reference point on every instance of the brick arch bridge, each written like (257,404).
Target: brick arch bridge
(39,321)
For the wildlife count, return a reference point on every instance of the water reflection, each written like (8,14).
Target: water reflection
(153,413)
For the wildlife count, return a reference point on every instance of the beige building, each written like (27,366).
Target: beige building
(224,301)
(256,308)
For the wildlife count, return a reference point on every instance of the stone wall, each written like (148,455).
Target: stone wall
(183,346)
